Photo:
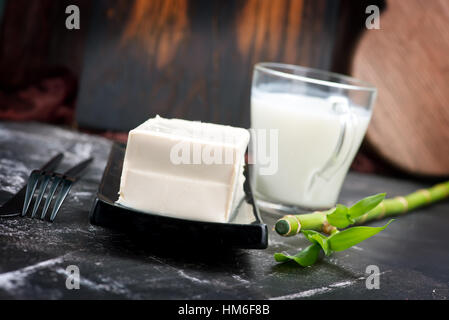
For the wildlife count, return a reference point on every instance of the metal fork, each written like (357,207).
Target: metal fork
(43,179)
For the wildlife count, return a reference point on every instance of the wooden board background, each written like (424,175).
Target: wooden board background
(194,59)
(408,61)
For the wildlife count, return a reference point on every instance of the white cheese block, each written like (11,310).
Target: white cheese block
(184,169)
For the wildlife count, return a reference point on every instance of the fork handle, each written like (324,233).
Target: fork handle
(77,170)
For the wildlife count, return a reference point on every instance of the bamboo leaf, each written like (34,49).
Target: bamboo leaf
(305,257)
(340,217)
(316,237)
(365,205)
(352,236)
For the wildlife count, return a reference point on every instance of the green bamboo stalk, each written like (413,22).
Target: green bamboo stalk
(290,225)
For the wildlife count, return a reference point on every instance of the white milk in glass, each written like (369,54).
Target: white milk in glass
(308,136)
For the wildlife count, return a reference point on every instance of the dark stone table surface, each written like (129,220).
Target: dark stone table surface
(412,254)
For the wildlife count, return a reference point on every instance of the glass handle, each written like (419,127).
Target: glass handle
(345,142)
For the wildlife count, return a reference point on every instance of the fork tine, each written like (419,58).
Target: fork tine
(67,184)
(53,187)
(31,187)
(42,188)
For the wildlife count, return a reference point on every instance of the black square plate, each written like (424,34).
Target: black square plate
(245,230)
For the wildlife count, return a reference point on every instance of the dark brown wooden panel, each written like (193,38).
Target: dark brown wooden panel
(194,59)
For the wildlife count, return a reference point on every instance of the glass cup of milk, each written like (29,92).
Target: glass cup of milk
(306,127)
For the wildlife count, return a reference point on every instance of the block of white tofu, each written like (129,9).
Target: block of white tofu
(185,169)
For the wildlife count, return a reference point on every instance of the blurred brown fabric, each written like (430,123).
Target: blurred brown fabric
(51,100)
(39,61)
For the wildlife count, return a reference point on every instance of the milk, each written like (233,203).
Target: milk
(308,135)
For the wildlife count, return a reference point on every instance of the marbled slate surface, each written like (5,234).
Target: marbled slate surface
(412,254)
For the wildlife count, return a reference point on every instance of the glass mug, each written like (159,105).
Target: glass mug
(306,126)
